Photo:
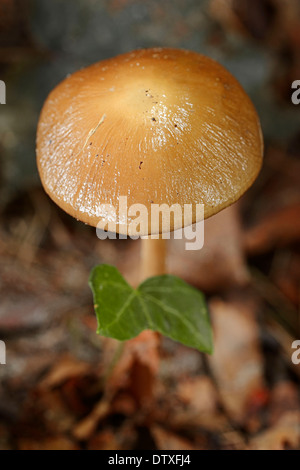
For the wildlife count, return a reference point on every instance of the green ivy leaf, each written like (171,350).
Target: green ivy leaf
(162,303)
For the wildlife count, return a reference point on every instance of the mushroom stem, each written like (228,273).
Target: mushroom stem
(153,257)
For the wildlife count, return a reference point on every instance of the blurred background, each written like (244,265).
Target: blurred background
(64,387)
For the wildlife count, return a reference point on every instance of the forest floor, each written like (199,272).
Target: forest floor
(65,387)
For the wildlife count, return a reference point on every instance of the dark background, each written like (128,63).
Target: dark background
(63,386)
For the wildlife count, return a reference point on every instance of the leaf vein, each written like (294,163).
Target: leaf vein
(173,311)
(146,312)
(121,311)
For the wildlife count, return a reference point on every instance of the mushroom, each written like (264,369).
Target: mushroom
(159,126)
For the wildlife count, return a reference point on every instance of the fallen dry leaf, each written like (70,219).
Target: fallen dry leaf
(276,229)
(166,440)
(199,393)
(284,397)
(122,438)
(285,435)
(86,427)
(66,368)
(137,367)
(236,362)
(186,418)
(220,263)
(105,440)
(52,410)
(51,443)
(231,439)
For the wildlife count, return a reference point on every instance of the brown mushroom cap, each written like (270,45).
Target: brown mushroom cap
(162,126)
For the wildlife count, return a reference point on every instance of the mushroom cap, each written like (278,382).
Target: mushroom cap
(160,126)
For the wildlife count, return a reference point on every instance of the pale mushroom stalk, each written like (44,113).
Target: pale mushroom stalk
(153,257)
